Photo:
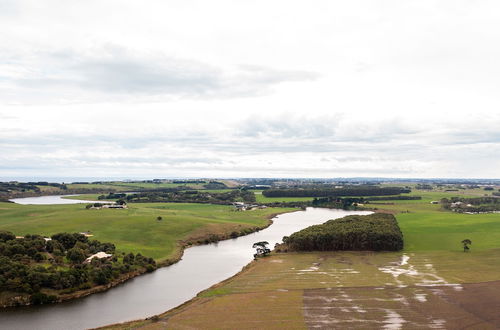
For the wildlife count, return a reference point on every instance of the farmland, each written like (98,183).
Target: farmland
(135,229)
(429,284)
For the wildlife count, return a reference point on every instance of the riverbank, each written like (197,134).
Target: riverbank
(161,319)
(13,300)
(167,287)
(432,283)
(210,234)
(346,289)
(213,237)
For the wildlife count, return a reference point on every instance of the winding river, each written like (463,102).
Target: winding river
(166,288)
(46,200)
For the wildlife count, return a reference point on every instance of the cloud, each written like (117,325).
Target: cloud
(112,72)
(7,7)
(317,147)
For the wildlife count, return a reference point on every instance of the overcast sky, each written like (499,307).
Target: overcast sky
(158,89)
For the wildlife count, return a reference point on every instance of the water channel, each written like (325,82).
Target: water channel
(165,288)
(47,200)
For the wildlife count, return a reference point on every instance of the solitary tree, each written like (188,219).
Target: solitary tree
(466,242)
(159,218)
(262,249)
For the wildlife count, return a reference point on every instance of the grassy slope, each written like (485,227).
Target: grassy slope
(135,229)
(432,243)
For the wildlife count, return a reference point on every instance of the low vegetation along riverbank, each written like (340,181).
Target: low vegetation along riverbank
(159,231)
(431,283)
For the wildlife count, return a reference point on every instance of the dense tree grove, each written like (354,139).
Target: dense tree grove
(374,232)
(27,186)
(33,264)
(112,195)
(336,192)
(188,181)
(194,196)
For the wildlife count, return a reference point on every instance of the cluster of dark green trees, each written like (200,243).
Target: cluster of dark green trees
(112,195)
(27,186)
(19,189)
(336,192)
(33,264)
(194,196)
(374,232)
(188,181)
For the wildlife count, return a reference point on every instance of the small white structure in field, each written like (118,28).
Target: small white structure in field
(98,255)
(434,202)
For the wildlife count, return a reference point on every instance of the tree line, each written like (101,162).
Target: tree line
(374,232)
(336,192)
(348,203)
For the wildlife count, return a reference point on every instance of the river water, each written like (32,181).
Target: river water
(56,199)
(165,288)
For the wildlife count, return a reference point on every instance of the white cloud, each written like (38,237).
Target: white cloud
(224,88)
(112,72)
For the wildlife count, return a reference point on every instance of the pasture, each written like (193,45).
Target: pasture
(432,283)
(135,229)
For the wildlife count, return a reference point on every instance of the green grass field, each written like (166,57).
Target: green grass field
(135,229)
(426,227)
(430,284)
(107,186)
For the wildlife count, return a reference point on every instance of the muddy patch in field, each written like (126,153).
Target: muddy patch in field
(414,307)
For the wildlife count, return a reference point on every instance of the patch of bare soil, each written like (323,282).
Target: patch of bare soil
(466,306)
